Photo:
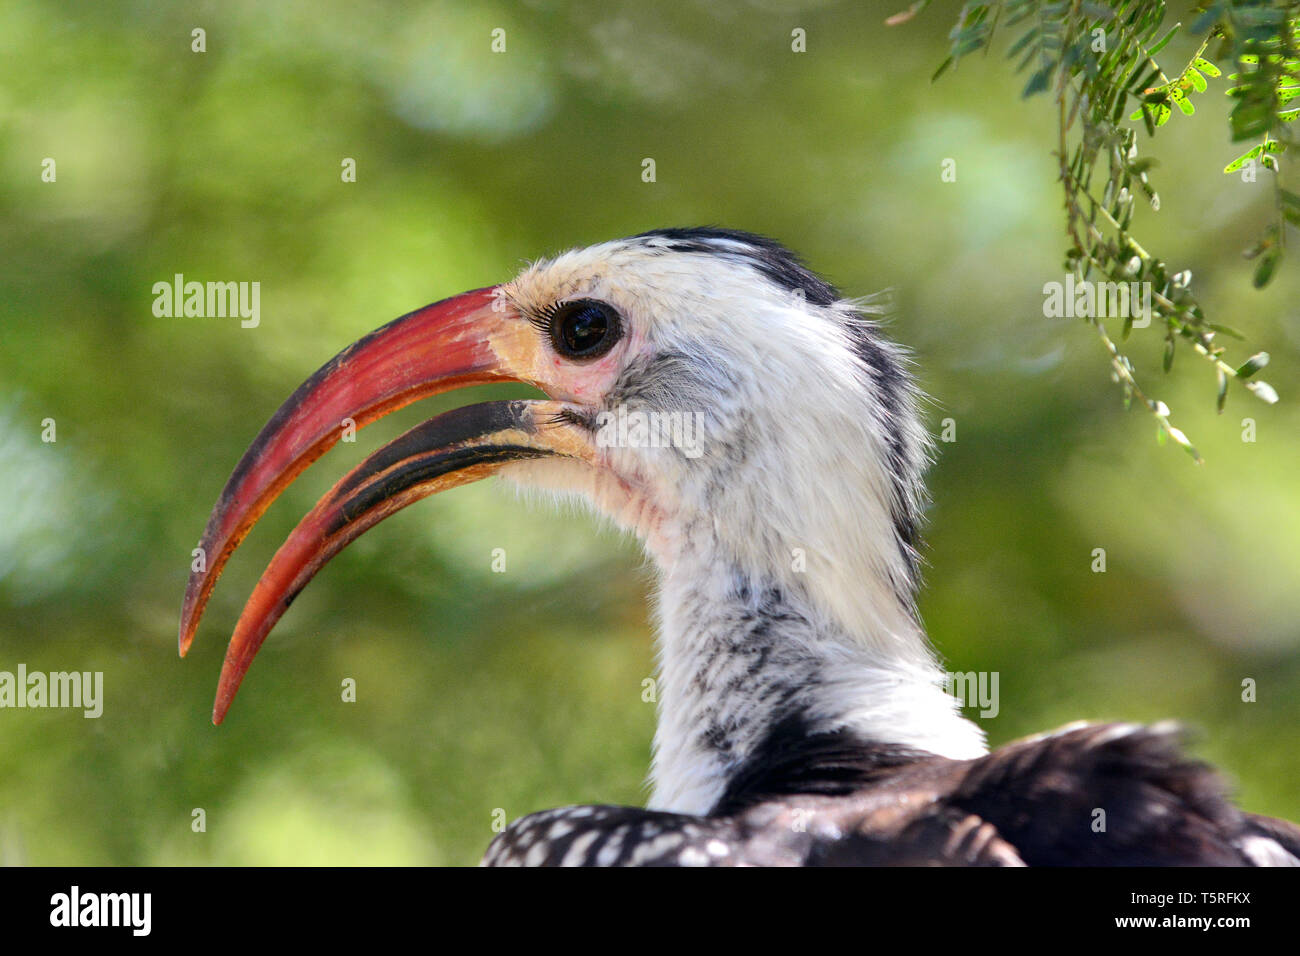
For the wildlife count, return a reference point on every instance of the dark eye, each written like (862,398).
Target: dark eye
(585,329)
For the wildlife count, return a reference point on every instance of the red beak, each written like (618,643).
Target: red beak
(470,339)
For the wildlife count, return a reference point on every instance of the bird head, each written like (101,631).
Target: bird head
(705,391)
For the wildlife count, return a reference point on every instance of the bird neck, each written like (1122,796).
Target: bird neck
(744,656)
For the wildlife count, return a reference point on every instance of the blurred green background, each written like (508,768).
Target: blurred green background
(521,691)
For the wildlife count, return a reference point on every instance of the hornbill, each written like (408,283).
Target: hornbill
(802,713)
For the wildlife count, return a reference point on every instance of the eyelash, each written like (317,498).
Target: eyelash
(542,319)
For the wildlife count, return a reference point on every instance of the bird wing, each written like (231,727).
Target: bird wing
(1115,795)
(942,836)
(1086,795)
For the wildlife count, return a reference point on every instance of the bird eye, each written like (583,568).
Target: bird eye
(585,329)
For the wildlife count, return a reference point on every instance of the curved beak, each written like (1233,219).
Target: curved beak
(470,339)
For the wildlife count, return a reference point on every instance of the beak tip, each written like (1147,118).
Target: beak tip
(189,618)
(220,706)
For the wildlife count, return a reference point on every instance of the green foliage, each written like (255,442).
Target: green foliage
(1097,60)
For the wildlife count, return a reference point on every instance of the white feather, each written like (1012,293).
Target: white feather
(794,491)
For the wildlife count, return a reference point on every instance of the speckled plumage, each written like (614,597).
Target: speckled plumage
(1031,803)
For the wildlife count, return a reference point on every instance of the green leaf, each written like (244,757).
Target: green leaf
(1223,390)
(1038,82)
(1153,114)
(1206,67)
(1249,120)
(1023,42)
(1290,205)
(1163,41)
(1264,268)
(1148,119)
(1240,161)
(1252,365)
